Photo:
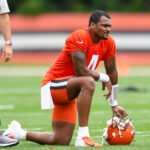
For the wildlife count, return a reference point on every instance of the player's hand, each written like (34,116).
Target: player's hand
(121,112)
(109,88)
(7,53)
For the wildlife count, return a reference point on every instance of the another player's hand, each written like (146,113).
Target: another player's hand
(121,112)
(7,53)
(109,87)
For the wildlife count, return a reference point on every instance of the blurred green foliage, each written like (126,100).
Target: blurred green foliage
(33,7)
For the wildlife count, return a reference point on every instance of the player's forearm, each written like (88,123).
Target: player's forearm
(97,76)
(111,70)
(113,77)
(114,80)
(87,72)
(5,26)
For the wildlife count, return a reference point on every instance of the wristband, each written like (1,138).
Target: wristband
(8,42)
(113,96)
(103,77)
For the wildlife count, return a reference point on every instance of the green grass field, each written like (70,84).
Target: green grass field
(20,100)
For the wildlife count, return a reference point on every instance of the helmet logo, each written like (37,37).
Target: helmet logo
(114,134)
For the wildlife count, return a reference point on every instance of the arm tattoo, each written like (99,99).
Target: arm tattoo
(79,62)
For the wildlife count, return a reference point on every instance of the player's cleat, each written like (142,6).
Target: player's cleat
(14,131)
(86,142)
(5,141)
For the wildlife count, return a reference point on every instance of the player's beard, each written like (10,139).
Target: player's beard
(104,38)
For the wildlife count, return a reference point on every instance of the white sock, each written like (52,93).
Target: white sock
(22,135)
(83,131)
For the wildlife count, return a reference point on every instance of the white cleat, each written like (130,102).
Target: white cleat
(14,130)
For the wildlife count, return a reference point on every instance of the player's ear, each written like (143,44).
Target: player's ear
(93,25)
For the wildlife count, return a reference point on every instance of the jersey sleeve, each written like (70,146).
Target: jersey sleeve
(3,7)
(111,49)
(77,41)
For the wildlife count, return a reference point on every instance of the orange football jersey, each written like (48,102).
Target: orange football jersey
(80,40)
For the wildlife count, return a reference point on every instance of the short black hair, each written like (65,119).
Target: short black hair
(96,15)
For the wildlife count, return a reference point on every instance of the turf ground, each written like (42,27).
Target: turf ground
(20,100)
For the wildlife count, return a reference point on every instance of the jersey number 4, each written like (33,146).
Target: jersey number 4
(93,62)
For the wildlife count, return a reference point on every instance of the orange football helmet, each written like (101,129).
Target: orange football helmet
(119,131)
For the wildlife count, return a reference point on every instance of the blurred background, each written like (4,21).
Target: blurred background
(40,27)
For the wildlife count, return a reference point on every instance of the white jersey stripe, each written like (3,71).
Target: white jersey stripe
(59,84)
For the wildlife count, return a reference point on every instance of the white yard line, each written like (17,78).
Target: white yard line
(141,132)
(30,129)
(7,107)
(23,114)
(34,129)
(19,91)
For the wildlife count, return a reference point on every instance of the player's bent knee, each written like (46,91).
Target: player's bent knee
(89,83)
